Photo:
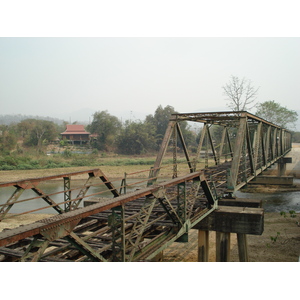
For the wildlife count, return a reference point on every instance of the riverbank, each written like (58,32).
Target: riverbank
(112,172)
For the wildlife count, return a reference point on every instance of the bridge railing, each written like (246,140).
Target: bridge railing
(52,194)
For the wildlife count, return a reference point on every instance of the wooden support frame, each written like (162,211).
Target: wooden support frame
(203,246)
(244,220)
(222,246)
(243,247)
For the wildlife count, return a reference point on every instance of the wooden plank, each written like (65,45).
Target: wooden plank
(277,180)
(244,220)
(242,202)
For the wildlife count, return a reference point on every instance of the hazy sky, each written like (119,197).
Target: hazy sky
(130,77)
(59,76)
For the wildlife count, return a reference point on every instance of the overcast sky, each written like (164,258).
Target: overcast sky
(131,76)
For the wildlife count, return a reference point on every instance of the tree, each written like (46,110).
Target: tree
(160,121)
(107,128)
(136,138)
(273,112)
(240,93)
(35,132)
(8,139)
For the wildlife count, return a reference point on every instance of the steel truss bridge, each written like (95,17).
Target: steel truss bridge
(100,221)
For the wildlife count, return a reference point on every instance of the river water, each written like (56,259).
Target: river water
(52,187)
(275,202)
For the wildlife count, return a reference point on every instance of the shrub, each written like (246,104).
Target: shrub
(7,167)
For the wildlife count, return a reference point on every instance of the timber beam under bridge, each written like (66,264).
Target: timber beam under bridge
(233,148)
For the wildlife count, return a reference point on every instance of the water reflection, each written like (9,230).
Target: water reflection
(52,187)
(275,202)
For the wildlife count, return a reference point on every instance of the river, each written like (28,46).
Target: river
(272,202)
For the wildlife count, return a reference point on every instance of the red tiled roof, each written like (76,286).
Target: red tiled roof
(75,129)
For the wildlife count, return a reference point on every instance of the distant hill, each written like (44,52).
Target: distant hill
(11,119)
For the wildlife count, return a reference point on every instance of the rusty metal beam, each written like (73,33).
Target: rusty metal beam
(36,228)
(42,179)
(162,150)
(238,150)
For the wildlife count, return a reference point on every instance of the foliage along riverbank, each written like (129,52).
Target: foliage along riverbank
(112,167)
(28,162)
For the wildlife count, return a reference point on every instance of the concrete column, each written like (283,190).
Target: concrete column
(203,245)
(222,246)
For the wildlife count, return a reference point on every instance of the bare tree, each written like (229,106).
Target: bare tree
(240,94)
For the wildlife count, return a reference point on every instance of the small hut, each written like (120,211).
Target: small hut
(76,134)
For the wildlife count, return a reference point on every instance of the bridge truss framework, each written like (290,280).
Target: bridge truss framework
(137,226)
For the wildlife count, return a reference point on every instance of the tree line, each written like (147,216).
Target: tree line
(136,136)
(130,137)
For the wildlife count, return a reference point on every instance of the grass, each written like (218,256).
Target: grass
(29,164)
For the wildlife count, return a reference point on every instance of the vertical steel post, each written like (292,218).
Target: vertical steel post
(203,133)
(238,151)
(212,146)
(222,145)
(162,150)
(181,201)
(67,193)
(185,150)
(116,222)
(249,147)
(10,202)
(174,153)
(257,145)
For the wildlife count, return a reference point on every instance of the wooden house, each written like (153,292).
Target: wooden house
(76,134)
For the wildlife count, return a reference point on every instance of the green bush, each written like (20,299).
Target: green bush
(6,167)
(67,153)
(25,167)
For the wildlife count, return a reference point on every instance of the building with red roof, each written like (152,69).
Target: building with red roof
(76,134)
